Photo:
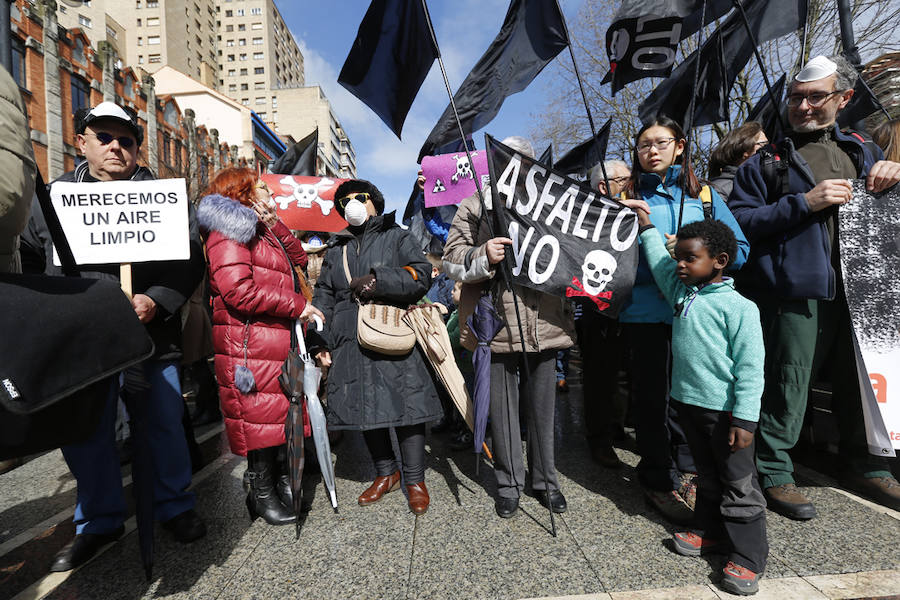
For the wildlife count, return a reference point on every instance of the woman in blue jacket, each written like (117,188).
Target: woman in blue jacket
(659,179)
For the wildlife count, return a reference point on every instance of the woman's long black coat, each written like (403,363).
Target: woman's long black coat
(367,390)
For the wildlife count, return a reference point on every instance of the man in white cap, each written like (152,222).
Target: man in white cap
(110,137)
(786,201)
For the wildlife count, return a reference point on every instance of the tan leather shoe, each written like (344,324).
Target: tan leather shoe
(418,497)
(380,487)
(789,502)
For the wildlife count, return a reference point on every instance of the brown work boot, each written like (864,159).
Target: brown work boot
(671,505)
(380,487)
(418,497)
(787,501)
(883,490)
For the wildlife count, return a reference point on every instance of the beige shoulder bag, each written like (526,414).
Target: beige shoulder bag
(380,327)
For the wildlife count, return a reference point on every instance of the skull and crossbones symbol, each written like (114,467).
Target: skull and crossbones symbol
(597,271)
(463,168)
(305,194)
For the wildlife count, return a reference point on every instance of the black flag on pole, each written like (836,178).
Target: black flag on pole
(723,55)
(861,105)
(390,59)
(567,240)
(644,35)
(582,158)
(767,115)
(300,159)
(533,33)
(547,156)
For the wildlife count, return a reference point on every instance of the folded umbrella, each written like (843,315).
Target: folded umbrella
(485,324)
(291,380)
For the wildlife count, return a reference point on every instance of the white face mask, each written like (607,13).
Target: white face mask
(355,213)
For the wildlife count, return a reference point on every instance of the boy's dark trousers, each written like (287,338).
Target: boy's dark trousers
(601,344)
(730,504)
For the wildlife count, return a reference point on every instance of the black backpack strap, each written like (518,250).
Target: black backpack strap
(69,268)
(873,148)
(774,164)
(706,202)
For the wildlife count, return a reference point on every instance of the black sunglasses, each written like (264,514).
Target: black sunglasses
(361,196)
(107,138)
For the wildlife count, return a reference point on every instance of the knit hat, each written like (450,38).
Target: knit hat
(359,185)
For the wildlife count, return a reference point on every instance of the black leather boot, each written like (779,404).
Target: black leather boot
(262,500)
(282,478)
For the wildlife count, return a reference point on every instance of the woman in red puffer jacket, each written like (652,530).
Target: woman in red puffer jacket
(251,257)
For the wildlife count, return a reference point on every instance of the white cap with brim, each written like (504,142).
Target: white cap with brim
(111,110)
(817,68)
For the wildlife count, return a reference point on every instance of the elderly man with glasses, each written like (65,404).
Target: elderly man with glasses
(110,137)
(794,275)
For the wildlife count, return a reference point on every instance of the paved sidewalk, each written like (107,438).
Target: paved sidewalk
(609,543)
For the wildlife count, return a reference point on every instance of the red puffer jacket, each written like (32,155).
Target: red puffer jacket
(254,307)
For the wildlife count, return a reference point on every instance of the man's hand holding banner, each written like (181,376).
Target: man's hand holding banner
(567,239)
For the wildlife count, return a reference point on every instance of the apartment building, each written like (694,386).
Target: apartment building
(91,17)
(257,55)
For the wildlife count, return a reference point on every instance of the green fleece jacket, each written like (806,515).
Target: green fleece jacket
(717,342)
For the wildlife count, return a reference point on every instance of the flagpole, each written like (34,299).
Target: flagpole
(805,36)
(759,61)
(504,265)
(600,151)
(689,124)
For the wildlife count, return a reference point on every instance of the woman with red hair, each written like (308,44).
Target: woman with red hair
(252,256)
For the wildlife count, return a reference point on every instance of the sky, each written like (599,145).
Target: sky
(465,28)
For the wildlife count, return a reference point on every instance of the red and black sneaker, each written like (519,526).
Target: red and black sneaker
(688,543)
(739,580)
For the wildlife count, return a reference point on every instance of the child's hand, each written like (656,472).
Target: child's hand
(671,240)
(641,208)
(739,438)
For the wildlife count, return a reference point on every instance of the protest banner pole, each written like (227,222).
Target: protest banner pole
(689,124)
(504,269)
(125,279)
(759,61)
(804,39)
(600,151)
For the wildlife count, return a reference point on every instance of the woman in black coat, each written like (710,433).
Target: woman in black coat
(369,391)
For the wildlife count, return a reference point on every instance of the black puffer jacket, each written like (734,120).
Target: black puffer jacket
(367,390)
(169,283)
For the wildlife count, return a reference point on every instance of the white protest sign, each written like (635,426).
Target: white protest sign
(123,221)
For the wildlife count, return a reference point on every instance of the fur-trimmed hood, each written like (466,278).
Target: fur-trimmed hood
(227,216)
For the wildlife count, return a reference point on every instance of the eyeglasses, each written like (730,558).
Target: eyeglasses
(619,180)
(107,138)
(660,145)
(361,196)
(815,100)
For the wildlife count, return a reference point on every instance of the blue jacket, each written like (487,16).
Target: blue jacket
(791,249)
(647,304)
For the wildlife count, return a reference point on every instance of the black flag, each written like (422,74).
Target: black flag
(765,114)
(532,34)
(390,58)
(582,158)
(300,159)
(644,35)
(861,105)
(568,241)
(547,155)
(723,55)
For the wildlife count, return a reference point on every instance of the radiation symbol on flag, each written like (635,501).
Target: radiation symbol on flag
(438,187)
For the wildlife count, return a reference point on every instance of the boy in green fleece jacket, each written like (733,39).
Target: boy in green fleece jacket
(717,383)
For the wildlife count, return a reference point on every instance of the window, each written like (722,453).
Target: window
(260,100)
(229,43)
(257,41)
(140,59)
(243,71)
(78,51)
(230,58)
(229,13)
(231,72)
(274,115)
(245,87)
(152,3)
(259,85)
(259,71)
(18,62)
(256,26)
(242,27)
(245,101)
(239,12)
(242,42)
(137,4)
(229,28)
(261,115)
(255,11)
(232,87)
(81,94)
(140,41)
(274,101)
(153,58)
(258,56)
(153,40)
(138,21)
(83,20)
(243,56)
(129,86)
(152,21)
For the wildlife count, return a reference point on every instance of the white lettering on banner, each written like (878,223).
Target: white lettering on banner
(578,230)
(671,37)
(519,249)
(533,275)
(614,240)
(530,189)
(563,208)
(124,221)
(546,197)
(507,183)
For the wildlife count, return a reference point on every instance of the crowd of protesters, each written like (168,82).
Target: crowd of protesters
(730,320)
